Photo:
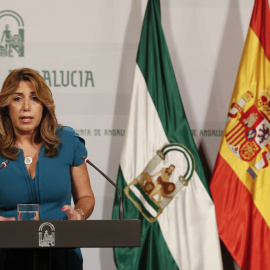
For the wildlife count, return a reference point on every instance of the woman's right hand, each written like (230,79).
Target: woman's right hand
(7,219)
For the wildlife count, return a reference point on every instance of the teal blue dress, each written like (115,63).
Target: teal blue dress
(51,189)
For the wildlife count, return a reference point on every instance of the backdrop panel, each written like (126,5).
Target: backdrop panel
(86,52)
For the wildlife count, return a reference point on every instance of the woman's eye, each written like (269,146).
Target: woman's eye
(17,99)
(35,98)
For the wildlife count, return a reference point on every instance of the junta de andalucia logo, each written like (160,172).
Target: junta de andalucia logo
(11,34)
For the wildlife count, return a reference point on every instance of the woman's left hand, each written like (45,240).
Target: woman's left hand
(72,214)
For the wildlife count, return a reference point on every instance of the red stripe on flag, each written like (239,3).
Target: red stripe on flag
(241,226)
(260,24)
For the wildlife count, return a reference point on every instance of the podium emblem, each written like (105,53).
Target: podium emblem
(46,235)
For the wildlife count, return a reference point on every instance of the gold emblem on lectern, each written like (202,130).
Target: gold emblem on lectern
(46,235)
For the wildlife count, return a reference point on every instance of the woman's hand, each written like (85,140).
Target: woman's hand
(7,219)
(72,214)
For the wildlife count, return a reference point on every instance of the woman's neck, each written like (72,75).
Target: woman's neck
(26,138)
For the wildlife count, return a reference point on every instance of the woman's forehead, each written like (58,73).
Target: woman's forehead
(25,87)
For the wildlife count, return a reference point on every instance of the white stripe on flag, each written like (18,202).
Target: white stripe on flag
(144,133)
(189,227)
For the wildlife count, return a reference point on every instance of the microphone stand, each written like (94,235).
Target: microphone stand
(121,211)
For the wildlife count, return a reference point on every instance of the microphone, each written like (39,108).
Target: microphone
(121,210)
(4,164)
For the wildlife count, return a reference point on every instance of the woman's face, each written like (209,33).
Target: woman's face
(25,110)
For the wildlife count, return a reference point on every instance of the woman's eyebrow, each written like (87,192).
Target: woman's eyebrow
(21,94)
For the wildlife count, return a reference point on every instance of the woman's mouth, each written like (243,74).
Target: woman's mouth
(26,119)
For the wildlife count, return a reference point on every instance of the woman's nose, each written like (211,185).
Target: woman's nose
(26,105)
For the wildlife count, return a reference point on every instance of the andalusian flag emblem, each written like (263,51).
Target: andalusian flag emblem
(240,184)
(161,180)
(160,171)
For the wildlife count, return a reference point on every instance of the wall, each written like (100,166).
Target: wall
(93,45)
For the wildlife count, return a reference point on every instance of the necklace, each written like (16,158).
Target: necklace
(27,158)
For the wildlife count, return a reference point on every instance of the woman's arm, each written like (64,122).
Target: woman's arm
(7,219)
(83,195)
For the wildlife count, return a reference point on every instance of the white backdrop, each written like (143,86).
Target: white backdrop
(93,45)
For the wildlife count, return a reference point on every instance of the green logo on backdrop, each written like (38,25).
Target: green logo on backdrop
(12,34)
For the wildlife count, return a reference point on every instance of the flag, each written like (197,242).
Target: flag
(160,172)
(240,183)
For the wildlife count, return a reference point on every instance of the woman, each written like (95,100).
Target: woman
(45,164)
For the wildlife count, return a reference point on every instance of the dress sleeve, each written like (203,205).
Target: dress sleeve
(79,150)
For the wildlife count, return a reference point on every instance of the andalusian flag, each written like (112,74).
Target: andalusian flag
(160,172)
(241,180)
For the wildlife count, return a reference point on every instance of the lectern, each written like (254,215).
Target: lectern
(46,235)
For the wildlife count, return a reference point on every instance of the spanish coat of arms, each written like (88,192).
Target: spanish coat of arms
(249,133)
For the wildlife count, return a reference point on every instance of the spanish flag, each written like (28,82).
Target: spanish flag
(240,184)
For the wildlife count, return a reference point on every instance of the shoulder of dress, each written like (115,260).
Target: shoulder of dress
(65,131)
